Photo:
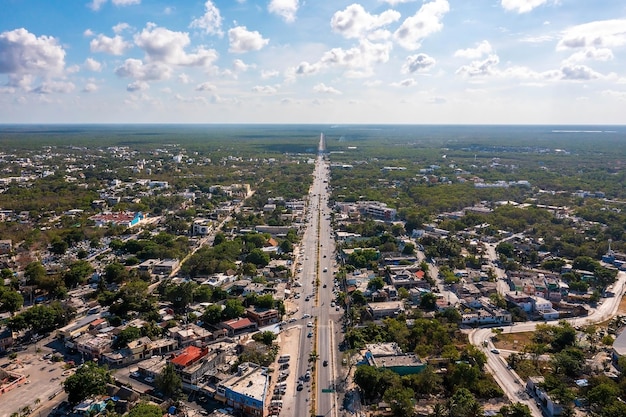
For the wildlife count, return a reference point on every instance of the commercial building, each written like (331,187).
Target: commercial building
(245,391)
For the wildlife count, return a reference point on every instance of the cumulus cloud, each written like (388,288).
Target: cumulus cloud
(166,46)
(88,33)
(92,65)
(591,54)
(422,24)
(184,78)
(137,86)
(481,49)
(125,2)
(242,40)
(269,74)
(578,73)
(113,46)
(357,61)
(355,22)
(324,89)
(90,88)
(417,63)
(120,27)
(597,34)
(135,68)
(286,9)
(480,68)
(205,87)
(264,89)
(24,56)
(395,2)
(409,82)
(49,87)
(96,5)
(210,22)
(523,6)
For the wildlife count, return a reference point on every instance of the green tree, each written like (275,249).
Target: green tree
(10,300)
(515,410)
(258,257)
(127,335)
(89,379)
(267,337)
(146,410)
(212,314)
(375,284)
(401,401)
(463,404)
(428,301)
(34,273)
(233,308)
(77,273)
(168,382)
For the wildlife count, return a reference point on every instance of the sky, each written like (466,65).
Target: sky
(313,61)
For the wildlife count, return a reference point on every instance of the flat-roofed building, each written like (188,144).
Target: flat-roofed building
(385,309)
(247,390)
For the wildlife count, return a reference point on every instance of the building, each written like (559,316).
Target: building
(125,219)
(165,267)
(263,316)
(238,326)
(7,338)
(6,246)
(390,356)
(385,309)
(202,227)
(247,390)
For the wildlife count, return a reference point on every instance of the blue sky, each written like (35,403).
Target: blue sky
(313,61)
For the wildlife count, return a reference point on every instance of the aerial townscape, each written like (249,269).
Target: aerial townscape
(279,271)
(312,208)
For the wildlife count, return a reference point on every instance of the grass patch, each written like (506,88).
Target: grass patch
(513,341)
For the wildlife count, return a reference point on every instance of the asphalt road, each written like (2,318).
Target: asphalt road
(508,380)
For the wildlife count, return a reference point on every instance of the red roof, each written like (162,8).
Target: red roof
(419,274)
(188,356)
(238,324)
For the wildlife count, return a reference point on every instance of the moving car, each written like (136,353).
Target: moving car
(496,351)
(325,363)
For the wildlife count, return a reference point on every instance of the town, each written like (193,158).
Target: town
(311,278)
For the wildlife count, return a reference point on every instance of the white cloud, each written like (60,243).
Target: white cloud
(92,65)
(355,22)
(166,46)
(120,3)
(523,6)
(480,68)
(24,55)
(395,2)
(49,87)
(96,5)
(137,86)
(88,33)
(135,68)
(120,27)
(286,9)
(594,54)
(184,78)
(324,89)
(359,60)
(205,87)
(242,40)
(422,24)
(269,74)
(264,89)
(72,69)
(620,95)
(578,73)
(419,62)
(90,88)
(598,34)
(537,39)
(210,21)
(240,66)
(409,82)
(481,49)
(113,46)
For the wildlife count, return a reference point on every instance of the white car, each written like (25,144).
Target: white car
(306,316)
(309,324)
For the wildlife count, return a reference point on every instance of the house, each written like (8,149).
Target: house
(247,390)
(7,338)
(263,316)
(6,246)
(238,326)
(126,219)
(534,387)
(165,267)
(390,356)
(202,227)
(92,346)
(385,309)
(190,334)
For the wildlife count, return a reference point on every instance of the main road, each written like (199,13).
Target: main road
(316,277)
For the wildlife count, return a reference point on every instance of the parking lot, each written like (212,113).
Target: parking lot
(44,379)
